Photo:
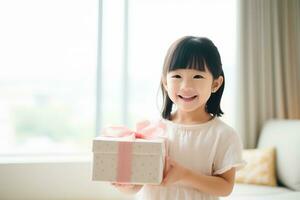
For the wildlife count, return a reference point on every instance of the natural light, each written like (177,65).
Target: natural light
(49,65)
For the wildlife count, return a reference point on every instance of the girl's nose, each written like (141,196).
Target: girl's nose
(186,85)
(187,88)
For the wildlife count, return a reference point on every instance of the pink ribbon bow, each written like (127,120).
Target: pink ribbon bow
(144,130)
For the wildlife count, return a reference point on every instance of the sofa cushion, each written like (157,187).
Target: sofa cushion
(285,136)
(260,167)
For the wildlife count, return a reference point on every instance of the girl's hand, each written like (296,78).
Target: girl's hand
(123,185)
(127,188)
(174,172)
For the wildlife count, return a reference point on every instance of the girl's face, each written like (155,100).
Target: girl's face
(190,89)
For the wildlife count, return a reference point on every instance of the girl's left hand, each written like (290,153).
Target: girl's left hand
(174,172)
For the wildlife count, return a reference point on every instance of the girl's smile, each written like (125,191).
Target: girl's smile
(189,89)
(188,99)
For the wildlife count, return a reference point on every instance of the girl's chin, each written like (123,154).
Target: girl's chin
(188,109)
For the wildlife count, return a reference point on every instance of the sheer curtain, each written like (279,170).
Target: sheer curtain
(269,65)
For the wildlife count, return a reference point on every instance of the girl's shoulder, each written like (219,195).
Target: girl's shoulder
(223,129)
(223,126)
(227,134)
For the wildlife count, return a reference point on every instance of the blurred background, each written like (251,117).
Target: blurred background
(70,68)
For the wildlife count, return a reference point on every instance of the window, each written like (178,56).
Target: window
(48,71)
(136,36)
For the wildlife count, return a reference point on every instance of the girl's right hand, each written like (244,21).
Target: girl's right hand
(127,187)
(123,185)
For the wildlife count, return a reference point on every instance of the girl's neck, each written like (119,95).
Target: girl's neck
(190,117)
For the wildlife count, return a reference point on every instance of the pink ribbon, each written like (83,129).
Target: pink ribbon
(144,130)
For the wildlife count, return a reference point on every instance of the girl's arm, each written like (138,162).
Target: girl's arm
(127,188)
(220,185)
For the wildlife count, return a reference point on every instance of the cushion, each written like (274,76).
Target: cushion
(285,136)
(260,167)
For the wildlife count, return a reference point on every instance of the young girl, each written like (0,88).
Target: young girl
(203,151)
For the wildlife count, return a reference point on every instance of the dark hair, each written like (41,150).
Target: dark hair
(193,53)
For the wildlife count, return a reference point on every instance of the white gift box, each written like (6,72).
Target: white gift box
(125,160)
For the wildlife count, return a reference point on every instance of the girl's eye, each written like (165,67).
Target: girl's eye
(176,76)
(198,77)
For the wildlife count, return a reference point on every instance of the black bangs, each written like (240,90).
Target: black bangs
(188,55)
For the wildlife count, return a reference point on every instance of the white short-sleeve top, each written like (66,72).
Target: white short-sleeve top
(209,148)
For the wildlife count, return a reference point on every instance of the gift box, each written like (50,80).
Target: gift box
(127,160)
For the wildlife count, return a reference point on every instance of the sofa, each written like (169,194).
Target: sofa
(284,135)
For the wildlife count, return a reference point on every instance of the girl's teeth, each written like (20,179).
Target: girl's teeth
(188,98)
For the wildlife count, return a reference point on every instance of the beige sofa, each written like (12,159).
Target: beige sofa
(285,136)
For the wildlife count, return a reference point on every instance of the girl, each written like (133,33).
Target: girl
(204,152)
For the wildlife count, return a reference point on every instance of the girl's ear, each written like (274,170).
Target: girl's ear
(217,83)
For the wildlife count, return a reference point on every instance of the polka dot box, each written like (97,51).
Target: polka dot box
(137,161)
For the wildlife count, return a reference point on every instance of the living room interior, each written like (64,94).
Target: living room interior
(71,68)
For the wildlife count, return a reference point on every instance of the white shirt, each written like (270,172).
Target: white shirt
(210,148)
